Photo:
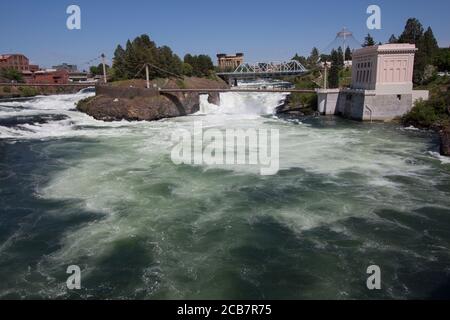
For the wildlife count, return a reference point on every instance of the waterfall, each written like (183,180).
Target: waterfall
(243,103)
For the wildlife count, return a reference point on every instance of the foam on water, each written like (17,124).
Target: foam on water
(193,220)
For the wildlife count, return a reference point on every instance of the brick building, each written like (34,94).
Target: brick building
(14,61)
(49,76)
(229,62)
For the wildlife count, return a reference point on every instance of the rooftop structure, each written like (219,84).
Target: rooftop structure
(67,67)
(14,61)
(230,62)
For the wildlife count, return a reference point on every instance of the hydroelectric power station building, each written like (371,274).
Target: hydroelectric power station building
(382,86)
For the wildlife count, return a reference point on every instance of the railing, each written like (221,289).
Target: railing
(17,84)
(237,90)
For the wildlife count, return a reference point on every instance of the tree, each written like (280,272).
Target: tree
(427,48)
(442,59)
(413,32)
(368,41)
(300,59)
(429,44)
(129,62)
(202,65)
(313,57)
(340,58)
(98,70)
(12,74)
(188,70)
(393,39)
(348,54)
(333,77)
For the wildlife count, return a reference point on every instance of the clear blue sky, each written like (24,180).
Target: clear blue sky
(263,30)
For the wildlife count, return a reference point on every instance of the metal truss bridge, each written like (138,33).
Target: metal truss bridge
(265,70)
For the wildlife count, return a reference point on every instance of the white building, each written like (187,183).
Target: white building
(382,86)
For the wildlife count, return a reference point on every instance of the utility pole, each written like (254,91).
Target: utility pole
(147,76)
(104,67)
(325,78)
(345,43)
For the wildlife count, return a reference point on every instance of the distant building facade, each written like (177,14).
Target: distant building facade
(49,76)
(67,67)
(228,62)
(78,76)
(382,86)
(14,61)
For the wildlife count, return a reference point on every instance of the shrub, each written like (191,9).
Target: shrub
(28,91)
(426,114)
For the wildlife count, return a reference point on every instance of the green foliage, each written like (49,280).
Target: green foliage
(393,39)
(28,91)
(98,70)
(413,32)
(12,74)
(435,111)
(368,41)
(311,61)
(187,69)
(337,64)
(7,89)
(129,61)
(348,54)
(442,59)
(181,84)
(427,47)
(202,65)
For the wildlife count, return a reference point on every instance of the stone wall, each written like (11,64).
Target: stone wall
(125,92)
(365,105)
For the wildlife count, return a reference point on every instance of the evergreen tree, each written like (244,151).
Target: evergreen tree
(429,44)
(129,61)
(393,39)
(340,56)
(202,65)
(368,41)
(348,54)
(333,77)
(313,58)
(413,32)
(301,59)
(442,60)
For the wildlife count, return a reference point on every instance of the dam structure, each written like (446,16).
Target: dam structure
(381,87)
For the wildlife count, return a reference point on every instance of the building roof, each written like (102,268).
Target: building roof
(8,55)
(386,48)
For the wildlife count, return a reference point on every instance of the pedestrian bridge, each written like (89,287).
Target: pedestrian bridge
(256,90)
(264,70)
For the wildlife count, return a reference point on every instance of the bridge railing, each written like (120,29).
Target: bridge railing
(290,67)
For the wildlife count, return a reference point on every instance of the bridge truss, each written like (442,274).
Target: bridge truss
(266,70)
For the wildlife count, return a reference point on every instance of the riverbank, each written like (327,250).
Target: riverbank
(131,100)
(433,114)
(26,91)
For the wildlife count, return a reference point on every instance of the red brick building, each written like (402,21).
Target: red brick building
(49,77)
(14,61)
(31,73)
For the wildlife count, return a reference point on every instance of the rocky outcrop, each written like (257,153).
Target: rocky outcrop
(130,100)
(445,141)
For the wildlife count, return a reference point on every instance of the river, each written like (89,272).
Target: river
(108,198)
